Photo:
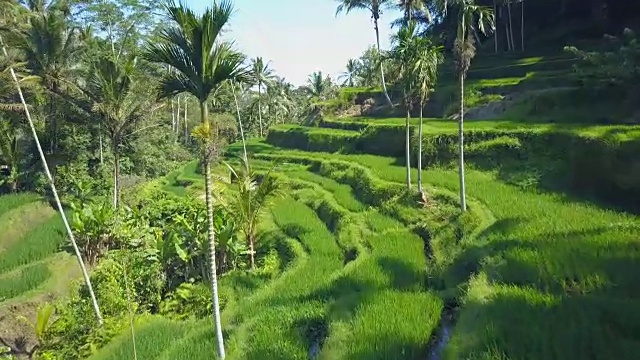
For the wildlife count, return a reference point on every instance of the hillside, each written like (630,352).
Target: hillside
(33,268)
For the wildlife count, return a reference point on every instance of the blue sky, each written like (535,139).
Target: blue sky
(301,36)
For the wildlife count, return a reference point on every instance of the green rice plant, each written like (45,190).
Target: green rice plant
(278,322)
(153,337)
(341,192)
(36,245)
(26,279)
(10,202)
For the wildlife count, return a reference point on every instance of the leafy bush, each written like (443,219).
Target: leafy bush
(190,300)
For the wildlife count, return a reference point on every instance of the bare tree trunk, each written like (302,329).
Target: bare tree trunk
(244,143)
(176,125)
(173,115)
(204,114)
(384,83)
(420,151)
(408,146)
(506,32)
(495,33)
(72,239)
(522,24)
(116,174)
(463,197)
(260,107)
(186,125)
(101,146)
(513,45)
(252,253)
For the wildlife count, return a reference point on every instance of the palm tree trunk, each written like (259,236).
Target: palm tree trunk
(186,126)
(522,25)
(173,114)
(176,125)
(420,150)
(244,143)
(72,239)
(495,33)
(101,147)
(260,106)
(506,32)
(116,173)
(408,147)
(384,83)
(463,197)
(204,115)
(513,45)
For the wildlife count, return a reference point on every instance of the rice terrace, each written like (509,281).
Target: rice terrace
(198,179)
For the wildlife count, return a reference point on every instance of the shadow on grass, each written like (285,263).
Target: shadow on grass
(561,295)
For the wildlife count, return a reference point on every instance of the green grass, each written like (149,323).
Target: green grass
(37,244)
(550,262)
(154,337)
(341,192)
(29,278)
(10,202)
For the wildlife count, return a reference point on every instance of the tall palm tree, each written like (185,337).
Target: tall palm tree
(425,71)
(249,200)
(469,16)
(374,7)
(202,64)
(262,76)
(318,85)
(51,49)
(6,5)
(409,7)
(403,53)
(348,77)
(120,103)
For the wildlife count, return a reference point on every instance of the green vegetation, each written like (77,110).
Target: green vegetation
(223,212)
(10,202)
(29,278)
(39,243)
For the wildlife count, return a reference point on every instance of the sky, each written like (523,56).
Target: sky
(301,36)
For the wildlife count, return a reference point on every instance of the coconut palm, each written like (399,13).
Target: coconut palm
(469,16)
(51,49)
(119,102)
(202,64)
(249,200)
(318,86)
(425,71)
(348,77)
(262,76)
(409,8)
(5,5)
(374,7)
(403,53)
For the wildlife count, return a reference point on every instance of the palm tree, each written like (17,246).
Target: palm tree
(51,49)
(469,16)
(374,6)
(403,53)
(262,75)
(120,103)
(317,85)
(425,70)
(409,7)
(54,191)
(348,77)
(249,200)
(202,65)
